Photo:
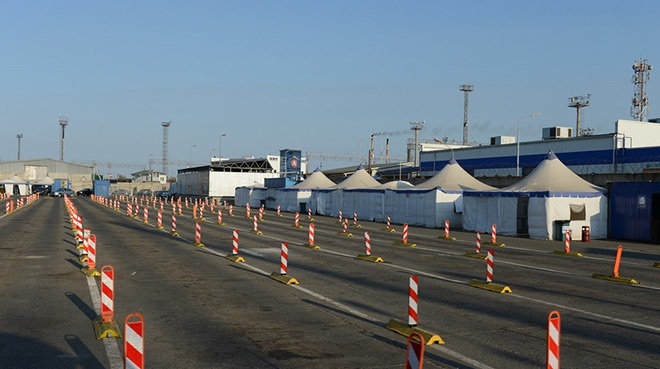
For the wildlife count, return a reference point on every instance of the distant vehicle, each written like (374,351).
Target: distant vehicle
(63,191)
(162,194)
(146,193)
(42,190)
(121,192)
(84,192)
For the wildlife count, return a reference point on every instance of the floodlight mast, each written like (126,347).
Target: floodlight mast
(579,102)
(416,127)
(63,120)
(164,157)
(466,91)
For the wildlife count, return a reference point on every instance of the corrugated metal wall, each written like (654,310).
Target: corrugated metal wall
(633,213)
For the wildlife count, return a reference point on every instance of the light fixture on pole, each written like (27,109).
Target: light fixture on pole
(220,146)
(518,141)
(19,136)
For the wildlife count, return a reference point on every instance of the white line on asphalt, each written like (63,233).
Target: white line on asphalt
(111,346)
(601,316)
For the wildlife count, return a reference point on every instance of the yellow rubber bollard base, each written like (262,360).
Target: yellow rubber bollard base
(83,258)
(256,232)
(476,255)
(222,224)
(283,278)
(356,225)
(160,228)
(90,272)
(656,265)
(106,330)
(447,238)
(198,244)
(174,234)
(391,230)
(490,286)
(560,252)
(235,258)
(408,244)
(493,244)
(373,259)
(313,247)
(405,330)
(615,279)
(345,234)
(310,219)
(79,246)
(296,226)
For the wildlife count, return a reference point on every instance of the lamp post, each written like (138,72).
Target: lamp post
(220,146)
(518,141)
(190,155)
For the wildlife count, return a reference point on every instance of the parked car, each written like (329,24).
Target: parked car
(63,191)
(41,190)
(162,194)
(84,192)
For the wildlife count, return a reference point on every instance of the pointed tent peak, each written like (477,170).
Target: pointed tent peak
(317,169)
(452,161)
(551,155)
(360,167)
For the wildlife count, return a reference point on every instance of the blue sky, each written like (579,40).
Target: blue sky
(318,76)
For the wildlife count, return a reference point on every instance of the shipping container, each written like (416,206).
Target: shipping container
(60,183)
(634,211)
(102,188)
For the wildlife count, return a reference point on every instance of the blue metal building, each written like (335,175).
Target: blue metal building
(634,211)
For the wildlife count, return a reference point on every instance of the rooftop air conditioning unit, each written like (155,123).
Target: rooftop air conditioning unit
(552,133)
(501,140)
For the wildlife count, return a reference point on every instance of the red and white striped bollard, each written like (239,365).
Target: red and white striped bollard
(198,234)
(413,297)
(489,265)
(134,341)
(554,334)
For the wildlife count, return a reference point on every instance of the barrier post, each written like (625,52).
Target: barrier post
(247,210)
(388,227)
(309,215)
(355,220)
(105,325)
(567,246)
(233,256)
(160,220)
(493,237)
(404,237)
(477,252)
(614,277)
(255,227)
(554,334)
(489,285)
(446,235)
(367,246)
(344,230)
(231,210)
(90,269)
(279,210)
(198,234)
(410,326)
(174,233)
(310,238)
(415,351)
(296,220)
(340,221)
(220,222)
(134,341)
(284,261)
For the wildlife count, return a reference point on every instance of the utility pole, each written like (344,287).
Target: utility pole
(63,120)
(164,157)
(19,136)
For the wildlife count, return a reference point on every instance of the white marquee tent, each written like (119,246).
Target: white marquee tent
(432,202)
(299,196)
(339,197)
(551,198)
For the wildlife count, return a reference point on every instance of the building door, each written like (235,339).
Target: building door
(655,217)
(521,218)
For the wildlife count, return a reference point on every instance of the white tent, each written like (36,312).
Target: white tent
(299,196)
(331,200)
(549,200)
(430,203)
(253,195)
(15,186)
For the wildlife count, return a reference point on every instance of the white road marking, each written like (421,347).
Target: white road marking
(111,347)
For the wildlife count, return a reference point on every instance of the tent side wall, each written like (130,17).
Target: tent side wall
(481,212)
(558,211)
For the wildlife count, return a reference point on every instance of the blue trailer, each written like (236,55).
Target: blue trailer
(634,211)
(102,188)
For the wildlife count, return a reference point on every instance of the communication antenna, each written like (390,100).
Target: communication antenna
(466,91)
(579,102)
(19,136)
(166,126)
(640,101)
(63,120)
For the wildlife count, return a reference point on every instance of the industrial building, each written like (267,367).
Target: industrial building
(18,177)
(632,148)
(220,179)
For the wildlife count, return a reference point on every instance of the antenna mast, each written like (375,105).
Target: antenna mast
(640,101)
(63,120)
(19,136)
(166,126)
(466,91)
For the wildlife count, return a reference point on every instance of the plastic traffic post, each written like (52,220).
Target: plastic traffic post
(415,351)
(554,334)
(105,325)
(282,276)
(134,341)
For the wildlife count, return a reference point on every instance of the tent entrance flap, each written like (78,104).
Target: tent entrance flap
(522,225)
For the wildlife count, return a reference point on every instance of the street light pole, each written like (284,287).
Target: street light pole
(518,141)
(190,155)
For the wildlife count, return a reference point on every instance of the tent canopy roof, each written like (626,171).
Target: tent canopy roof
(315,180)
(360,179)
(454,177)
